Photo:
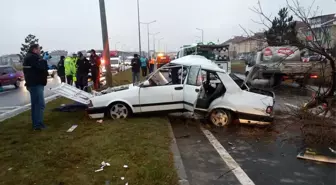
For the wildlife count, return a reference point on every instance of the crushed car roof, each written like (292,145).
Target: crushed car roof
(197,60)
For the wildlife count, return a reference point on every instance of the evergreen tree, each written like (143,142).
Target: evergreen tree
(282,31)
(29,40)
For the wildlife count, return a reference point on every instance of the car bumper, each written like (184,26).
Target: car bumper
(255,119)
(96,112)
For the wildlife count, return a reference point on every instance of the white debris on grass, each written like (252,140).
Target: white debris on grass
(72,128)
(103,164)
(9,169)
(100,121)
(125,166)
(333,151)
(122,178)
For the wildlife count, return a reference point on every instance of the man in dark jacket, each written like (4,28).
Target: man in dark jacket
(136,63)
(61,69)
(83,68)
(95,68)
(35,71)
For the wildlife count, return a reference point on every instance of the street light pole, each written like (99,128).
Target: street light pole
(139,27)
(155,65)
(115,46)
(159,47)
(106,52)
(148,23)
(202,33)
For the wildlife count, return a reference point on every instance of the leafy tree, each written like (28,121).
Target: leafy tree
(282,31)
(29,40)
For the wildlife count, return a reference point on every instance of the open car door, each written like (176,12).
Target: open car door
(192,87)
(73,93)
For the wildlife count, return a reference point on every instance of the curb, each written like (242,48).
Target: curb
(177,159)
(24,108)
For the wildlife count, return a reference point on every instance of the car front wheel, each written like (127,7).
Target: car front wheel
(220,117)
(17,84)
(119,111)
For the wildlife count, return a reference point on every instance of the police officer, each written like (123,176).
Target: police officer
(61,69)
(83,68)
(67,69)
(95,68)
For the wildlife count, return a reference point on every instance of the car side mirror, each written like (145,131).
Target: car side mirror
(145,84)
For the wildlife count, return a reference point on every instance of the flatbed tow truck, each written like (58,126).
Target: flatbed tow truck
(219,54)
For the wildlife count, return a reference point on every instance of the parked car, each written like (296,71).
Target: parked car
(10,76)
(205,89)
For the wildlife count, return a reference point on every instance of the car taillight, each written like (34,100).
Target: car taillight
(269,110)
(90,104)
(313,76)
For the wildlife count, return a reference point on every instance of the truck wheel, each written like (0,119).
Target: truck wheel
(220,117)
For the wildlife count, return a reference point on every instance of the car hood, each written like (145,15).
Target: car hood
(116,89)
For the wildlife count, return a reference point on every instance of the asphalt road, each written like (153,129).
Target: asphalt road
(263,156)
(12,98)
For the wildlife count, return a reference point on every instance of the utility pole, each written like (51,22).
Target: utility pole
(148,23)
(202,34)
(106,52)
(159,47)
(155,65)
(139,28)
(115,46)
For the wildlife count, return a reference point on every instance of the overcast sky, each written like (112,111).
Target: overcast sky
(75,24)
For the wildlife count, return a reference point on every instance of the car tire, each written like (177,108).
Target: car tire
(17,84)
(220,117)
(119,110)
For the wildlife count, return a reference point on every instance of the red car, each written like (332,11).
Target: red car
(10,76)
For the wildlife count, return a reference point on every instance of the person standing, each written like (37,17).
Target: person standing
(35,71)
(151,65)
(95,68)
(136,63)
(73,68)
(61,69)
(67,69)
(83,68)
(144,64)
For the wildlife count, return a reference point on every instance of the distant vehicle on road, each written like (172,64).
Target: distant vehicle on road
(273,65)
(10,76)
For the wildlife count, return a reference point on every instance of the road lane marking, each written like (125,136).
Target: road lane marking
(230,162)
(13,107)
(291,105)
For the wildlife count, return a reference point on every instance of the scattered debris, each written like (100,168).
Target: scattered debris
(126,183)
(333,151)
(99,170)
(103,164)
(72,128)
(49,152)
(230,143)
(62,105)
(232,148)
(9,169)
(125,166)
(122,178)
(184,136)
(198,141)
(321,155)
(100,121)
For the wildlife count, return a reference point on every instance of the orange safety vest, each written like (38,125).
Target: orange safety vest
(152,61)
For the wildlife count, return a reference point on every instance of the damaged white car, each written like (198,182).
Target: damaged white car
(196,84)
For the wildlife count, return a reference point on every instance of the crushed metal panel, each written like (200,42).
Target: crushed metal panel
(72,93)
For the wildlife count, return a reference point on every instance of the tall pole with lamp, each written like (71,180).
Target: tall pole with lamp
(154,34)
(106,52)
(159,44)
(148,23)
(202,33)
(139,27)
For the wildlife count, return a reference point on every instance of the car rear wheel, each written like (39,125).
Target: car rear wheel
(220,117)
(17,84)
(119,111)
